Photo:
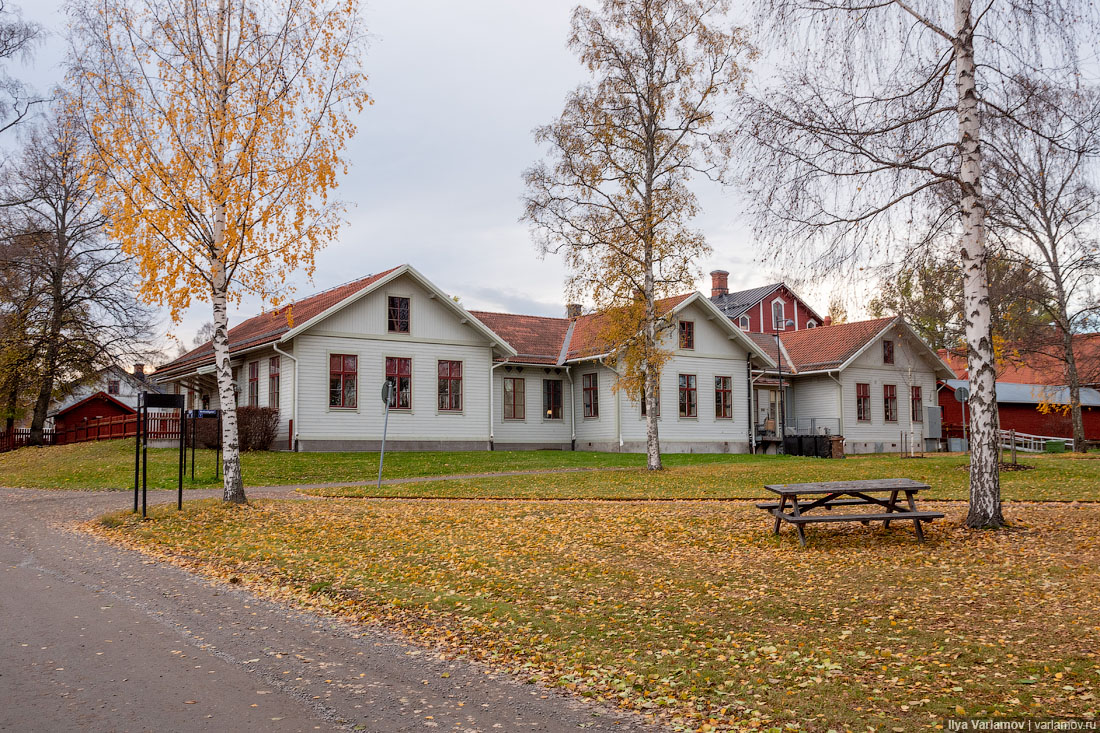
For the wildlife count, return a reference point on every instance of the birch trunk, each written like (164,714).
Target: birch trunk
(985,489)
(231,454)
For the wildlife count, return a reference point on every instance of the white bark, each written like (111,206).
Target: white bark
(985,489)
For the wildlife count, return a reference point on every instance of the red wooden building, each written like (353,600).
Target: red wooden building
(759,310)
(97,406)
(1018,407)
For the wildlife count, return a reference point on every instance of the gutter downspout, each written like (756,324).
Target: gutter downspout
(491,369)
(752,423)
(294,409)
(752,404)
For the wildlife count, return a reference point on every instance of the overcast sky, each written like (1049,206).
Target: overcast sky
(435,170)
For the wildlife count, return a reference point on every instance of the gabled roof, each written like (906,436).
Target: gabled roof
(275,326)
(830,347)
(766,341)
(1041,366)
(736,303)
(1033,394)
(587,333)
(536,339)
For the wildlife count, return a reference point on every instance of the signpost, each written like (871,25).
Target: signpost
(962,394)
(141,446)
(387,393)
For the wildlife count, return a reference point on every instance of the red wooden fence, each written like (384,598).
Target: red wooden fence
(161,427)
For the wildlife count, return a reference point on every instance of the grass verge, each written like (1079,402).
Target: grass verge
(692,612)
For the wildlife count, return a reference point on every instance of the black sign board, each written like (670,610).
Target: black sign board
(203,413)
(154,399)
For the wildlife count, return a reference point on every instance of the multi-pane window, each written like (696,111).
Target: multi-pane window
(397,314)
(112,386)
(687,334)
(890,402)
(551,399)
(254,384)
(590,394)
(743,323)
(689,397)
(273,382)
(778,315)
(916,404)
(399,374)
(450,385)
(887,352)
(656,400)
(343,372)
(723,397)
(863,402)
(515,394)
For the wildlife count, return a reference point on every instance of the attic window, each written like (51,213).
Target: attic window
(687,334)
(887,352)
(743,323)
(112,386)
(811,323)
(397,314)
(779,315)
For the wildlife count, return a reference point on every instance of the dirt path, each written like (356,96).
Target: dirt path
(99,638)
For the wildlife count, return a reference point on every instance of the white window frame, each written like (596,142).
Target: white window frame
(779,323)
(744,323)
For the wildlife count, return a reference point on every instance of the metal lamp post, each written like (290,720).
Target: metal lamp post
(780,402)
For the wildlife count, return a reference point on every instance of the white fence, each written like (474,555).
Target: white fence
(1027,442)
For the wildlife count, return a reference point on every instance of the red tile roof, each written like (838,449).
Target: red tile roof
(827,347)
(587,337)
(269,327)
(1040,366)
(538,339)
(766,341)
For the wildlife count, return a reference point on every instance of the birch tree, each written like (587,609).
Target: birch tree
(875,120)
(613,195)
(1045,211)
(219,127)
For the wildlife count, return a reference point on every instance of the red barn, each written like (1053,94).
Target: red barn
(93,407)
(1018,407)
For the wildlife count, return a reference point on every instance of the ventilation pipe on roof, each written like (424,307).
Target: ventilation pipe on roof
(828,320)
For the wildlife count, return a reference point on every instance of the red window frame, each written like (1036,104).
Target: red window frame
(689,395)
(590,394)
(723,398)
(863,402)
(113,386)
(890,402)
(552,405)
(399,374)
(916,404)
(253,384)
(687,334)
(887,351)
(450,385)
(273,382)
(397,314)
(343,380)
(515,398)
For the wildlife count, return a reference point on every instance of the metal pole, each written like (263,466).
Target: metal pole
(218,458)
(966,446)
(183,457)
(137,452)
(145,463)
(782,428)
(194,425)
(385,427)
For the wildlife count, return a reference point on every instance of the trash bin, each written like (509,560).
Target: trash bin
(791,446)
(822,446)
(836,446)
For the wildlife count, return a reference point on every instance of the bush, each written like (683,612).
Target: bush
(256,427)
(205,431)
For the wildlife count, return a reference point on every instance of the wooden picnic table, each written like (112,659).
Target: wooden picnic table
(796,500)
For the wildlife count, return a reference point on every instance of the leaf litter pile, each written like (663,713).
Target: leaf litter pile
(692,613)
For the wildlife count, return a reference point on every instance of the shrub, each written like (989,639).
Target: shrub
(256,427)
(205,430)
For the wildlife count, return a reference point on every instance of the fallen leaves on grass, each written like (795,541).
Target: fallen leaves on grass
(692,612)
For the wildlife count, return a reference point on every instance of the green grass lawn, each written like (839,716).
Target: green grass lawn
(692,611)
(109,465)
(1053,478)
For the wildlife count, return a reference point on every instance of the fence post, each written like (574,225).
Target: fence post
(1012,437)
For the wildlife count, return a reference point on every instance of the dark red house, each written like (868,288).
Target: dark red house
(759,310)
(93,407)
(1018,407)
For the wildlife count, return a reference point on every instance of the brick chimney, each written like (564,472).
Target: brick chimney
(719,283)
(139,370)
(828,320)
(572,310)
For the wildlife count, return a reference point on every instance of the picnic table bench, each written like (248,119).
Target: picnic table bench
(795,500)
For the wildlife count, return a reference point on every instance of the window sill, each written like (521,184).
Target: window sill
(343,409)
